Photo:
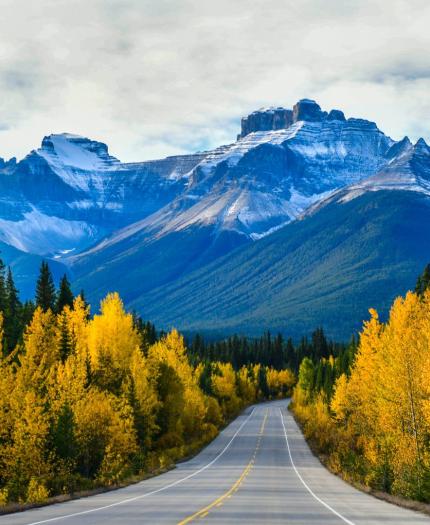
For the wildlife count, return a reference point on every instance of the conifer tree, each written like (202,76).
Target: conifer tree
(423,281)
(13,319)
(65,342)
(2,286)
(45,289)
(65,295)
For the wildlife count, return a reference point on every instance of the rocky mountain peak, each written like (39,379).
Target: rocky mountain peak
(308,110)
(275,118)
(266,119)
(422,145)
(76,151)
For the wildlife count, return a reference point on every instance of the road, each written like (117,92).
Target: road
(259,470)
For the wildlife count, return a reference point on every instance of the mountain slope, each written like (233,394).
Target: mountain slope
(25,268)
(234,196)
(326,269)
(360,247)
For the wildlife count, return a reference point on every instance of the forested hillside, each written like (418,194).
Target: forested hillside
(90,400)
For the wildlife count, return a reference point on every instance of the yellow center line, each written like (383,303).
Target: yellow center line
(202,513)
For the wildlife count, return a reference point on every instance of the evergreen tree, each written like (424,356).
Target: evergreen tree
(62,434)
(319,343)
(27,312)
(13,327)
(65,343)
(423,281)
(65,295)
(262,382)
(3,299)
(85,302)
(45,289)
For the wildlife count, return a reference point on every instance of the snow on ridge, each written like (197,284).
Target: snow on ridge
(76,160)
(41,234)
(234,152)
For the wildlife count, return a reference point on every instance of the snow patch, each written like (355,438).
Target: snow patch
(44,235)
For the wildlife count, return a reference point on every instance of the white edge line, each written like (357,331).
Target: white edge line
(304,482)
(161,489)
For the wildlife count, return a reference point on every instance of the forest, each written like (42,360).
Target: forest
(91,400)
(368,414)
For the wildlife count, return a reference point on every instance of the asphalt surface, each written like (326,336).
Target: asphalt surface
(258,471)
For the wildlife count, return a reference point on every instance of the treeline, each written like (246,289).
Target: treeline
(372,419)
(90,400)
(267,350)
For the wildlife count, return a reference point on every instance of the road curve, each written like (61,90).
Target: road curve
(259,470)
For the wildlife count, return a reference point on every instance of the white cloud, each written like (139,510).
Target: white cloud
(157,77)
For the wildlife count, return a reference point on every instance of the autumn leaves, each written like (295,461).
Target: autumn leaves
(376,427)
(84,401)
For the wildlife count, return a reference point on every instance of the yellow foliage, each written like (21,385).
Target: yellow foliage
(280,381)
(112,339)
(4,497)
(80,398)
(37,492)
(382,411)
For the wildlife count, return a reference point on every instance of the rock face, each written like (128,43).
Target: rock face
(234,195)
(308,110)
(266,119)
(270,119)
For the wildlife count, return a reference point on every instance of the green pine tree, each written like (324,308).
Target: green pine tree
(262,382)
(65,295)
(65,342)
(45,289)
(13,326)
(423,281)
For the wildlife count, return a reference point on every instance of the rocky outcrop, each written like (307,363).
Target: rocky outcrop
(308,110)
(266,119)
(270,119)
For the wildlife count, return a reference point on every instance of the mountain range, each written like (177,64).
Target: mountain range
(308,218)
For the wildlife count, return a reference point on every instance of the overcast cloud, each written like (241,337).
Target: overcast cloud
(157,77)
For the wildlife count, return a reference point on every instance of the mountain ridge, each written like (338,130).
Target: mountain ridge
(145,229)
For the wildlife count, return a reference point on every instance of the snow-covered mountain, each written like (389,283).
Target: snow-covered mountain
(70,193)
(407,168)
(268,177)
(139,227)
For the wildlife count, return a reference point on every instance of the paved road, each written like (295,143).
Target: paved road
(258,471)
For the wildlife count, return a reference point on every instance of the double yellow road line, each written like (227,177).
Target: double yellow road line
(202,513)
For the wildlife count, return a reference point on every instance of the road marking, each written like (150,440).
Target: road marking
(234,488)
(219,501)
(346,520)
(161,489)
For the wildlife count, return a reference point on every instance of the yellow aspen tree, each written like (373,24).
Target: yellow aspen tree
(401,393)
(40,352)
(26,454)
(171,351)
(112,340)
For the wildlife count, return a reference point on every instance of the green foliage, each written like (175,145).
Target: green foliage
(423,281)
(46,295)
(65,295)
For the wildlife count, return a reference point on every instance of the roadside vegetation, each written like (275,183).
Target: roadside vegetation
(90,400)
(368,413)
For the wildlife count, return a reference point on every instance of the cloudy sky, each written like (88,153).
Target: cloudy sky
(157,77)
